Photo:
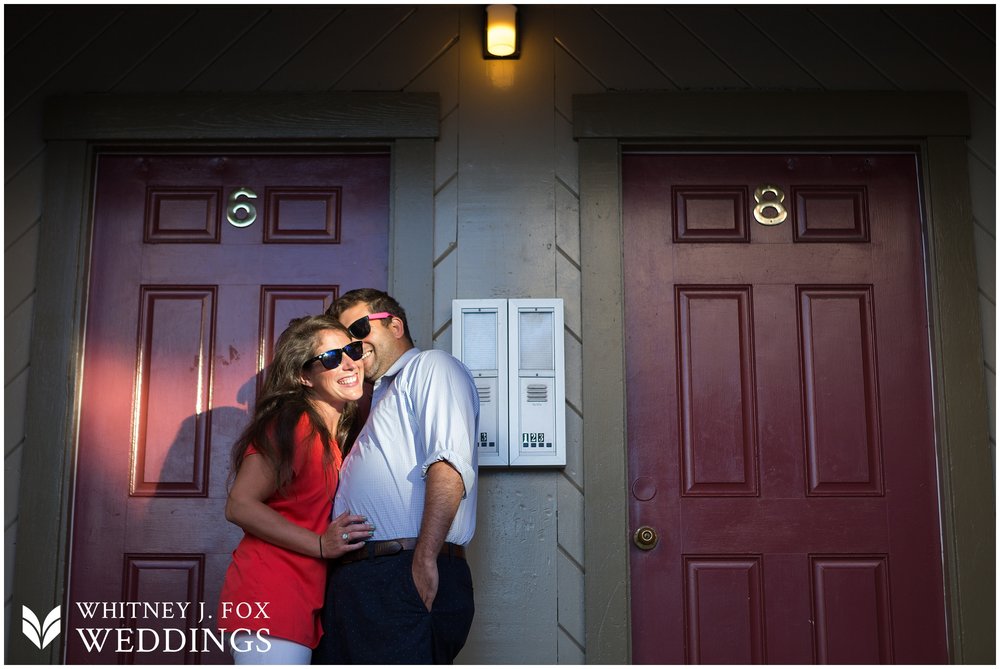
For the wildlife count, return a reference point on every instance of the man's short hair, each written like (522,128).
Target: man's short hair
(377,300)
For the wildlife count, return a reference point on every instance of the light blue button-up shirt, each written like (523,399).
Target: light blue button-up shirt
(425,408)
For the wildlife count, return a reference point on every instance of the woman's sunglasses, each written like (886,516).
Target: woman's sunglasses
(362,327)
(332,358)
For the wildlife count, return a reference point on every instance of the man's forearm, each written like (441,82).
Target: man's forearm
(443,494)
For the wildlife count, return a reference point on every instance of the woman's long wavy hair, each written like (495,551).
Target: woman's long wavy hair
(283,399)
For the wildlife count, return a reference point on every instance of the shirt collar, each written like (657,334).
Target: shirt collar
(397,366)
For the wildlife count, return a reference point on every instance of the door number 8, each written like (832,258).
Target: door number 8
(237,206)
(771,204)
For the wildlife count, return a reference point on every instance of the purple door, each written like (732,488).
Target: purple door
(779,411)
(198,263)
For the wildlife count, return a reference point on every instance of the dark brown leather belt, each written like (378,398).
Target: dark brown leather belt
(374,549)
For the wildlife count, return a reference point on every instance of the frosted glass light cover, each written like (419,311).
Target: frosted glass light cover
(501,31)
(535,333)
(479,343)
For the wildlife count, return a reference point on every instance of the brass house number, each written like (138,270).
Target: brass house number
(770,209)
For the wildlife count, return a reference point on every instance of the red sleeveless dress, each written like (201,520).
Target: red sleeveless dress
(288,585)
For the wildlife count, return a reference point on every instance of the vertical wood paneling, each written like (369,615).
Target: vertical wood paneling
(567,163)
(572,610)
(446,154)
(445,220)
(569,77)
(506,197)
(506,228)
(568,222)
(446,288)
(411,250)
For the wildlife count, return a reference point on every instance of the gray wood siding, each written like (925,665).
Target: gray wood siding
(506,190)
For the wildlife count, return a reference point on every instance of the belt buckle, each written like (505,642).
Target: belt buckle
(384,548)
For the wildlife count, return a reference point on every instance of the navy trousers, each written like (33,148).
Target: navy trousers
(374,615)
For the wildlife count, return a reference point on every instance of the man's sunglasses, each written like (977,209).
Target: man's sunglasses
(332,358)
(362,327)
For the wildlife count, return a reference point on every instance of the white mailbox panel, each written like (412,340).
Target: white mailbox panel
(537,371)
(479,339)
(515,351)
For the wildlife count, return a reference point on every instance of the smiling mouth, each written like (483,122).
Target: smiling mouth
(366,354)
(348,380)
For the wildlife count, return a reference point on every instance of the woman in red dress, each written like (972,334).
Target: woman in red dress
(286,465)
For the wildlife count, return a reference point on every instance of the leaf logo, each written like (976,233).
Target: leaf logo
(40,634)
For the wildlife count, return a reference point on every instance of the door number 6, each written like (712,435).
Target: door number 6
(237,207)
(772,203)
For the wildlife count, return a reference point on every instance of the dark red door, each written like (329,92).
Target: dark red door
(198,263)
(780,419)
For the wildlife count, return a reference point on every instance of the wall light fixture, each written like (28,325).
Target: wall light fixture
(501,38)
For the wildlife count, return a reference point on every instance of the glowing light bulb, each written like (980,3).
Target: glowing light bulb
(501,31)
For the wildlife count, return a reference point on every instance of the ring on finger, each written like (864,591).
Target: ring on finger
(345,536)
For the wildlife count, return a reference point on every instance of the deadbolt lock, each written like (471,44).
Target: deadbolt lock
(645,538)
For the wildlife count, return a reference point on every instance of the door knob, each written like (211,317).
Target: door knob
(645,538)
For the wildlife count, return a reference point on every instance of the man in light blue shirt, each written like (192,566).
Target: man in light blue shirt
(406,597)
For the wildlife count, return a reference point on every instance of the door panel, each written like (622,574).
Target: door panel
(192,280)
(779,415)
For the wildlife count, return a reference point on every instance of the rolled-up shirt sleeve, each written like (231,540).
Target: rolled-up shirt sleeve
(446,409)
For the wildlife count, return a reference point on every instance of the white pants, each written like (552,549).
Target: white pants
(282,651)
